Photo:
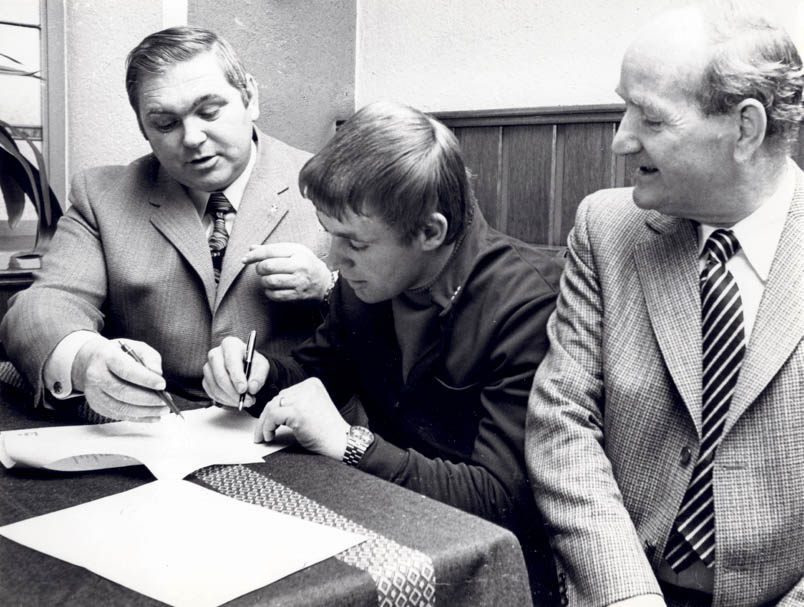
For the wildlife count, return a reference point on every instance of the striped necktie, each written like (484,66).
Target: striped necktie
(217,207)
(723,335)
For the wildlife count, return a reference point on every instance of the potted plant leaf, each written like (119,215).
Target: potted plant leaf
(20,179)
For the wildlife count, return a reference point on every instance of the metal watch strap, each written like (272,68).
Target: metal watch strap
(358,439)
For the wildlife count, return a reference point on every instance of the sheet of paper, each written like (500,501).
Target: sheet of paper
(171,448)
(180,543)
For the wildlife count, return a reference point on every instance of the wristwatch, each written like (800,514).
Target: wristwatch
(358,439)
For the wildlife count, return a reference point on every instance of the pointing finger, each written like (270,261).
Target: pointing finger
(270,251)
(278,265)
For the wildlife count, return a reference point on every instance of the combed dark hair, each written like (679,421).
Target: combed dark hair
(160,50)
(393,161)
(753,59)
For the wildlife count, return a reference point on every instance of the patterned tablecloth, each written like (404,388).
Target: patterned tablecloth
(419,553)
(403,576)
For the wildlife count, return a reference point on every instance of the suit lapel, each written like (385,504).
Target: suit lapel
(182,228)
(666,264)
(260,210)
(779,326)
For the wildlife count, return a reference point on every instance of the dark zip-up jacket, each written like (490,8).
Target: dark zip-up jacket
(454,431)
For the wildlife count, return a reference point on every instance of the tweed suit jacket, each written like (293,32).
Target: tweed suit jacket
(614,419)
(130,259)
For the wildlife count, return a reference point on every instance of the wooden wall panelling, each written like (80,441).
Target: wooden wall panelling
(481,148)
(535,165)
(587,165)
(527,181)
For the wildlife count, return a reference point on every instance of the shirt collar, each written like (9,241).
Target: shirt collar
(233,192)
(760,232)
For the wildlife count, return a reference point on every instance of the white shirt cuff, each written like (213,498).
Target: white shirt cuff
(59,365)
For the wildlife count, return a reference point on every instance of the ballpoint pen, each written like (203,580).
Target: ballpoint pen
(166,398)
(252,338)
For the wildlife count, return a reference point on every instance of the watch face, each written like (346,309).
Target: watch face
(361,435)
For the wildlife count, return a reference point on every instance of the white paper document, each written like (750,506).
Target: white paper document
(180,543)
(171,448)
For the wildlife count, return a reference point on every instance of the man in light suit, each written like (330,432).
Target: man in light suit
(131,261)
(664,431)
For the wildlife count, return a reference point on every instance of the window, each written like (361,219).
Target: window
(31,33)
(21,79)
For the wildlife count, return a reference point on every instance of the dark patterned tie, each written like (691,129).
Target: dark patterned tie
(723,349)
(217,207)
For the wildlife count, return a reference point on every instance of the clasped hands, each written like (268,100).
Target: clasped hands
(306,408)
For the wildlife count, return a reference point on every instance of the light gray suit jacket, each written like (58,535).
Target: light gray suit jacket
(614,428)
(130,259)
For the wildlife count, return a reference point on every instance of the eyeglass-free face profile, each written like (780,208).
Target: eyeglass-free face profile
(199,126)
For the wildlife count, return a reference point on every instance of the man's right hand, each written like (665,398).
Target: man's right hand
(117,386)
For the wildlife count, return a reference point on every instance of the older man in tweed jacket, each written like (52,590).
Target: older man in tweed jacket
(664,436)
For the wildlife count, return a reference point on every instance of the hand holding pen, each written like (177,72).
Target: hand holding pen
(162,394)
(114,384)
(235,372)
(247,360)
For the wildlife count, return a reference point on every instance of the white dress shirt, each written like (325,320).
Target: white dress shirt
(759,236)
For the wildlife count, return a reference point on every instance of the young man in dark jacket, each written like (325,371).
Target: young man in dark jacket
(437,324)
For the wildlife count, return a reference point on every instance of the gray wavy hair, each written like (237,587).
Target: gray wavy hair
(752,58)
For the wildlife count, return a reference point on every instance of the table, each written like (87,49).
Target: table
(420,552)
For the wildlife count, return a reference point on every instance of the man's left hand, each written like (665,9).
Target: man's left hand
(289,271)
(307,409)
